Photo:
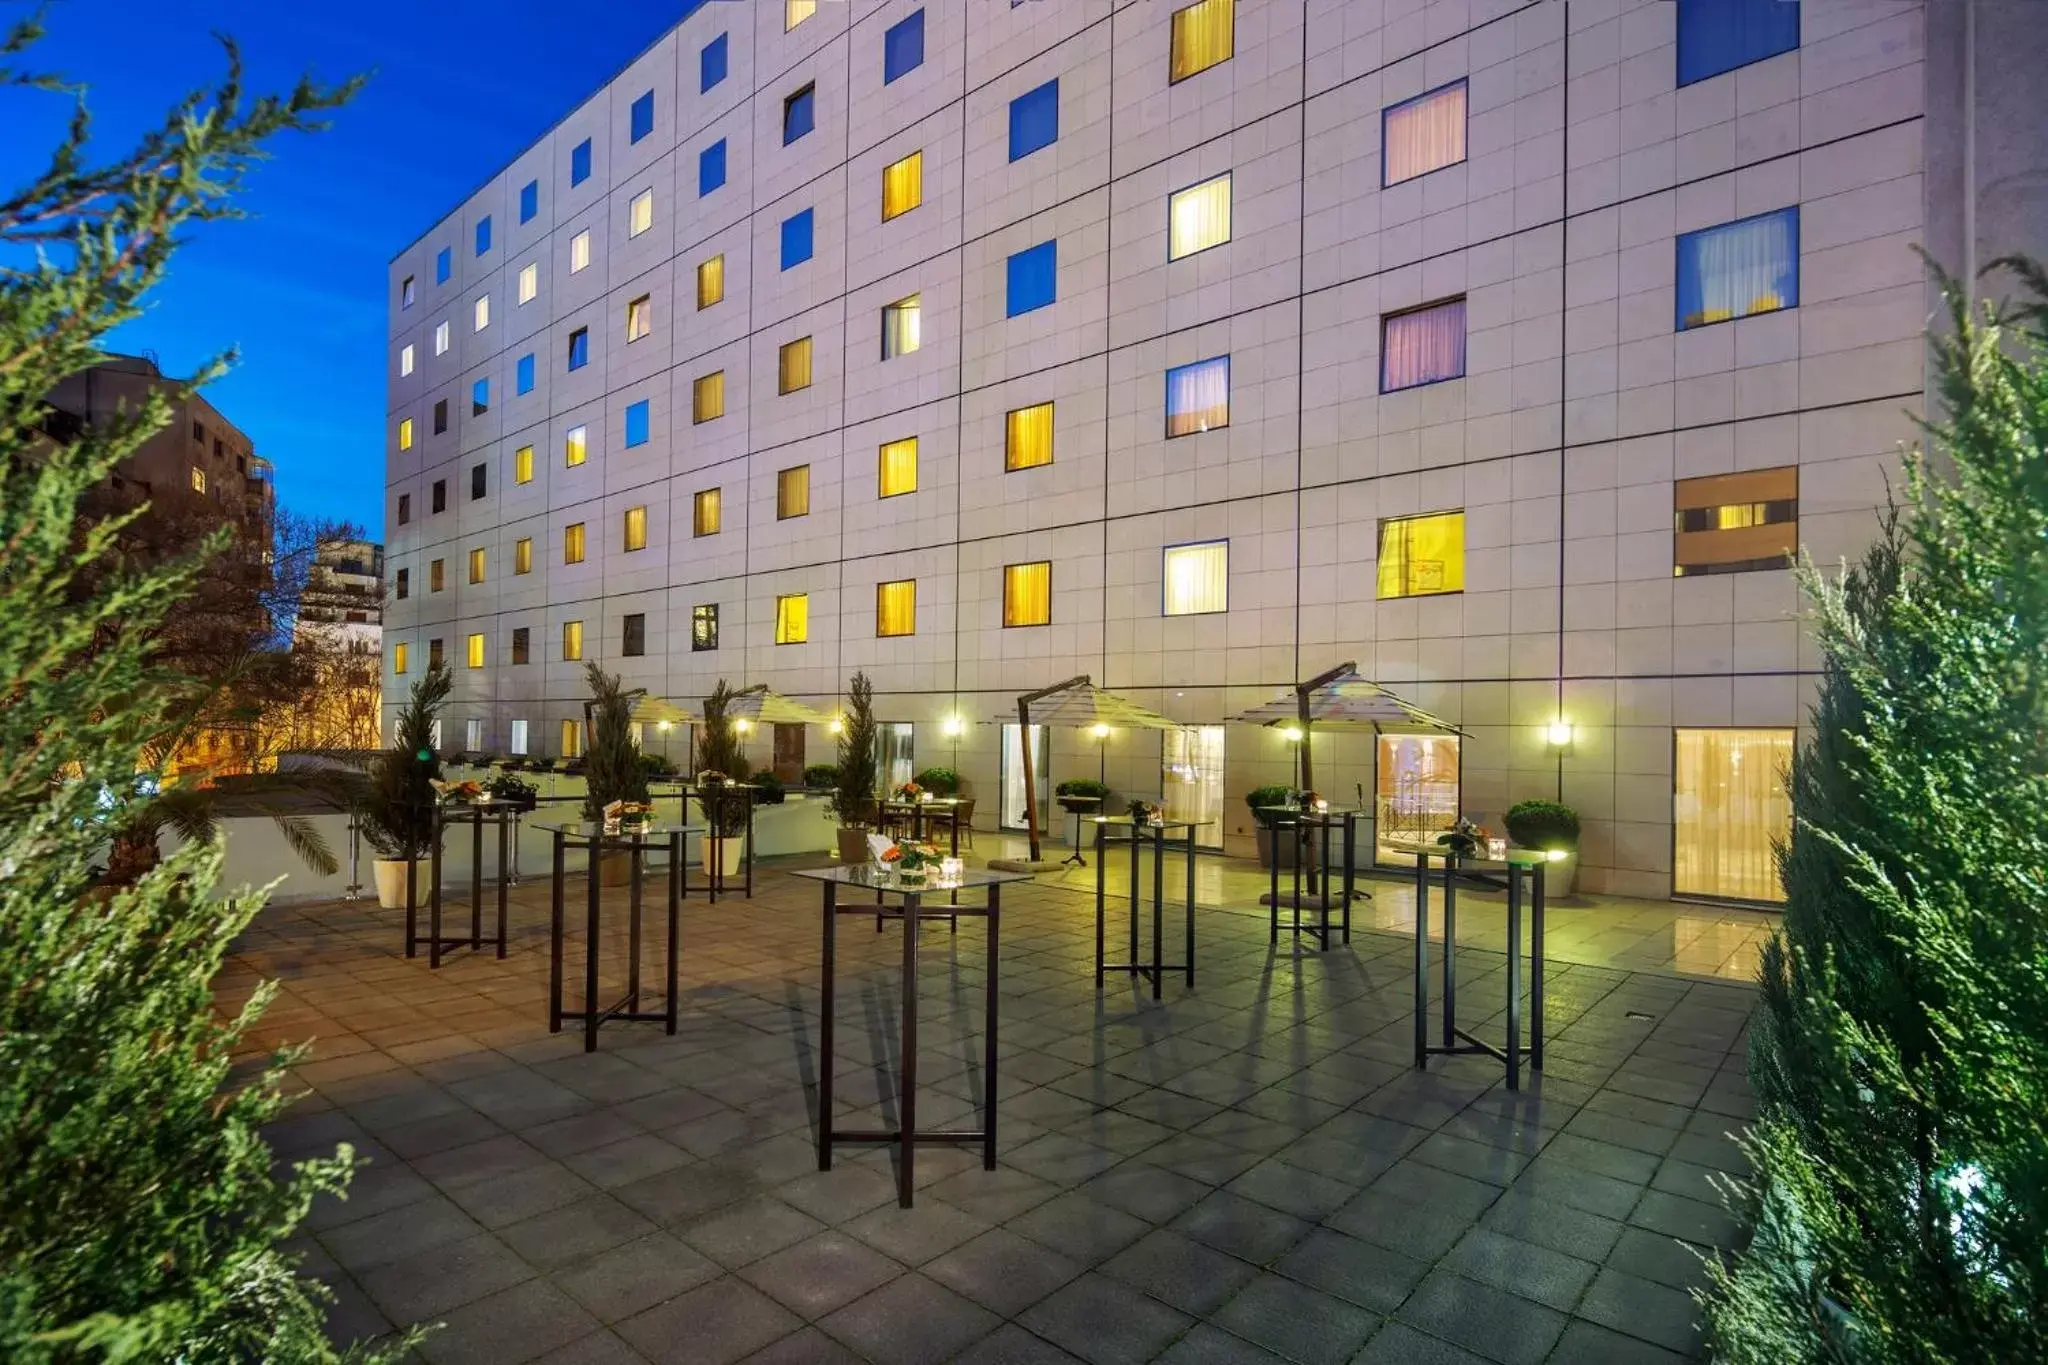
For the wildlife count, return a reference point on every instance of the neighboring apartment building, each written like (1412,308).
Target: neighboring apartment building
(344,595)
(340,623)
(1501,346)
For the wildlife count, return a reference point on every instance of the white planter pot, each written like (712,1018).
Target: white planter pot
(390,875)
(732,855)
(1561,876)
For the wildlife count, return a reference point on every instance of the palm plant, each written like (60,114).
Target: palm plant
(396,811)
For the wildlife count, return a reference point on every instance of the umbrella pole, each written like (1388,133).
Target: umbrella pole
(1030,785)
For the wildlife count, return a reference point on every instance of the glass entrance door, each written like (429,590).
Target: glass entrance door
(1415,789)
(1728,805)
(1191,780)
(1012,766)
(789,754)
(895,757)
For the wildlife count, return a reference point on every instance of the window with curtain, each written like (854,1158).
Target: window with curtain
(1422,556)
(898,471)
(896,607)
(1198,397)
(793,366)
(475,651)
(1738,269)
(437,576)
(639,317)
(572,641)
(707,397)
(1728,804)
(572,738)
(522,645)
(902,326)
(640,213)
(405,361)
(401,657)
(793,493)
(405,433)
(792,618)
(483,312)
(1197,579)
(518,739)
(710,281)
(1735,523)
(633,635)
(1719,35)
(575,446)
(529,281)
(522,555)
(579,251)
(572,543)
(794,12)
(522,465)
(636,528)
(1027,437)
(1027,594)
(1031,278)
(476,566)
(441,337)
(1198,217)
(1424,134)
(1422,346)
(902,185)
(1203,35)
(706,512)
(704,628)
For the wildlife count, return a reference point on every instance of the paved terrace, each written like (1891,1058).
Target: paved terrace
(1249,1172)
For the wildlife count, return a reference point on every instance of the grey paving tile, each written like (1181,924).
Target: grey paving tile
(1002,1271)
(910,1321)
(1585,1343)
(513,1325)
(1534,1272)
(398,1233)
(1012,1345)
(1297,1322)
(1639,1308)
(1370,1276)
(821,1273)
(846,1191)
(1241,1227)
(1078,1227)
(634,1276)
(1305,1194)
(996,1195)
(1548,1223)
(1178,1271)
(629,1159)
(1674,1216)
(1106,1323)
(683,1194)
(430,1283)
(1662,1258)
(747,1231)
(714,1324)
(1396,1224)
(1150,1192)
(1399,1344)
(1555,1182)
(1207,1345)
(563,1236)
(915,1235)
(808,1347)
(599,1348)
(507,1199)
(1490,1322)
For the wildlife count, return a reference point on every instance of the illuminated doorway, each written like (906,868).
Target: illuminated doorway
(895,755)
(1191,780)
(1013,778)
(1415,788)
(1728,806)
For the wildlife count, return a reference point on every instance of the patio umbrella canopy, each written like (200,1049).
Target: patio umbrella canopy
(1079,703)
(651,710)
(760,706)
(1348,700)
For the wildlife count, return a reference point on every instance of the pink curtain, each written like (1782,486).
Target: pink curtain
(1423,346)
(1425,134)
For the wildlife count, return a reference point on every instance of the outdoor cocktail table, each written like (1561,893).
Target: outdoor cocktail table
(1302,823)
(922,811)
(868,877)
(1141,834)
(591,835)
(476,815)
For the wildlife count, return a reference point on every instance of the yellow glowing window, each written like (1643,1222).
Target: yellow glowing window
(405,433)
(794,12)
(529,281)
(476,651)
(579,251)
(792,619)
(1027,594)
(1198,218)
(401,657)
(639,317)
(896,607)
(636,528)
(572,738)
(572,543)
(1735,523)
(1203,35)
(572,641)
(522,465)
(899,467)
(794,366)
(1197,579)
(793,493)
(476,566)
(1421,556)
(522,555)
(902,326)
(707,397)
(710,281)
(436,576)
(902,185)
(1027,437)
(640,213)
(575,447)
(706,513)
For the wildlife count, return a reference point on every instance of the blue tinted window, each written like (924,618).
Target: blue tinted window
(711,64)
(711,168)
(529,200)
(444,265)
(1720,35)
(799,114)
(483,234)
(643,116)
(796,239)
(903,47)
(1034,120)
(1031,278)
(480,398)
(525,384)
(579,348)
(636,423)
(1738,269)
(579,163)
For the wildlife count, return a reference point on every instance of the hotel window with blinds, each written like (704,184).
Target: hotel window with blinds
(1197,579)
(897,470)
(522,465)
(706,512)
(1738,269)
(640,213)
(1027,437)
(793,366)
(707,397)
(1422,346)
(793,493)
(1027,594)
(476,566)
(1735,523)
(896,607)
(1203,35)
(902,185)
(575,447)
(792,618)
(572,641)
(710,281)
(1198,397)
(522,555)
(1198,217)
(1422,135)
(437,575)
(902,326)
(639,317)
(483,312)
(1422,556)
(475,651)
(636,528)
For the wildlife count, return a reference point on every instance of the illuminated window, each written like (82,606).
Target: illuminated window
(636,528)
(633,635)
(901,326)
(793,493)
(1730,812)
(522,465)
(1422,346)
(579,251)
(404,360)
(522,555)
(1739,269)
(1735,523)
(575,447)
(441,337)
(482,309)
(896,607)
(1027,437)
(1031,278)
(1719,35)
(572,641)
(903,47)
(898,471)
(572,543)
(792,619)
(522,649)
(1424,134)
(529,281)
(710,281)
(1422,556)
(707,397)
(1198,397)
(1027,594)
(793,366)
(198,479)
(637,423)
(704,628)
(706,512)
(1203,35)
(572,735)
(794,12)
(476,651)
(639,317)
(1198,218)
(640,213)
(401,657)
(902,184)
(405,433)
(1197,579)
(437,575)
(476,566)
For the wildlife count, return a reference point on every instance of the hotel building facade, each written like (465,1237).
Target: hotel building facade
(1501,347)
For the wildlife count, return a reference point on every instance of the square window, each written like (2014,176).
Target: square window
(711,63)
(405,433)
(1198,397)
(642,116)
(1034,120)
(1422,135)
(792,618)
(476,566)
(639,317)
(902,326)
(529,200)
(707,397)
(1203,35)
(897,474)
(794,12)
(475,656)
(640,213)
(529,281)
(443,337)
(1197,579)
(705,512)
(1198,218)
(522,650)
(1738,269)
(636,424)
(522,465)
(636,528)
(1027,437)
(400,657)
(1031,280)
(1422,346)
(572,543)
(710,281)
(896,608)
(479,481)
(437,575)
(903,47)
(1735,523)
(483,234)
(404,508)
(1027,594)
(480,398)
(1720,35)
(482,311)
(408,290)
(522,555)
(405,361)
(572,645)
(711,168)
(796,239)
(444,265)
(579,348)
(793,493)
(434,660)
(902,184)
(579,163)
(793,366)
(523,378)
(633,635)
(799,113)
(575,447)
(404,584)
(704,628)
(579,251)
(1422,556)
(440,418)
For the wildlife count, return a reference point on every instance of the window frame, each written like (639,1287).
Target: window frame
(631,624)
(1037,90)
(782,638)
(529,201)
(633,531)
(712,499)
(914,180)
(707,385)
(640,415)
(1379,549)
(1173,370)
(640,118)
(783,388)
(580,158)
(1387,113)
(800,106)
(912,26)
(1789,212)
(1171,29)
(718,294)
(881,594)
(524,375)
(710,160)
(640,311)
(706,82)
(1229,213)
(882,467)
(579,349)
(704,641)
(575,446)
(798,231)
(1165,553)
(575,543)
(904,307)
(1465,365)
(785,501)
(1009,624)
(634,226)
(1018,262)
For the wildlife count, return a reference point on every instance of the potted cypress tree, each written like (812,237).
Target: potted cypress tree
(612,769)
(720,761)
(1554,829)
(853,795)
(397,812)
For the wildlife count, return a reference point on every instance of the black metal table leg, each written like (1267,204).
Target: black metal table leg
(1323,881)
(1301,849)
(1450,949)
(827,991)
(1514,1047)
(1536,890)
(1158,906)
(675,919)
(590,954)
(1421,959)
(1133,958)
(747,849)
(635,858)
(555,944)
(906,1099)
(504,834)
(1350,867)
(1273,884)
(1100,909)
(434,898)
(988,1042)
(412,908)
(1191,909)
(476,882)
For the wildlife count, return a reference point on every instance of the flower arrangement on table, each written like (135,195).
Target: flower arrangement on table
(912,862)
(466,792)
(1464,838)
(627,817)
(1145,813)
(910,791)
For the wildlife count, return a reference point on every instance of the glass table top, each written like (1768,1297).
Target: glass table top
(1515,857)
(594,829)
(1127,821)
(887,879)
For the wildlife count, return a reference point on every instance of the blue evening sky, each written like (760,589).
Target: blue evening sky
(458,88)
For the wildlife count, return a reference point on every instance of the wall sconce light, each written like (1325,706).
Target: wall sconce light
(665,726)
(1292,734)
(835,726)
(954,727)
(742,724)
(1558,734)
(1099,730)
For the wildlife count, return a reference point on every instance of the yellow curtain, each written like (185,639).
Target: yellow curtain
(795,365)
(792,619)
(1420,556)
(707,397)
(793,492)
(522,555)
(476,566)
(1029,438)
(899,467)
(572,641)
(401,655)
(1027,594)
(1197,578)
(434,576)
(639,318)
(711,281)
(572,543)
(522,465)
(405,433)
(575,446)
(1198,217)
(902,185)
(640,214)
(636,528)
(572,738)
(476,651)
(794,12)
(896,607)
(707,512)
(1728,804)
(1202,36)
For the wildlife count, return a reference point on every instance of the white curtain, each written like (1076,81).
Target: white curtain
(1197,578)
(901,327)
(1191,780)
(1425,134)
(1729,804)
(1198,397)
(1738,269)
(1423,346)
(1199,217)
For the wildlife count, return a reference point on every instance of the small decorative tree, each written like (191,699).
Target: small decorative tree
(853,798)
(719,753)
(397,815)
(611,766)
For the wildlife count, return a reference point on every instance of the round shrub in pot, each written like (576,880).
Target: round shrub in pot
(1554,828)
